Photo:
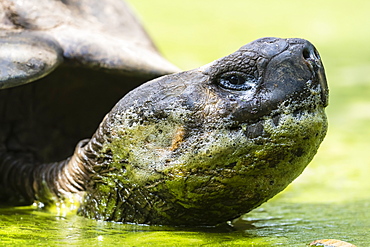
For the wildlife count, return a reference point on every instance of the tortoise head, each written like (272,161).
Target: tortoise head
(207,145)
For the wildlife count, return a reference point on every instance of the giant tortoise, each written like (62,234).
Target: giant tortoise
(190,148)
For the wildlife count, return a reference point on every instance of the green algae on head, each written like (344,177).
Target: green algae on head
(204,146)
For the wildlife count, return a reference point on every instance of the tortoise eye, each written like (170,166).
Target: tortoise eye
(236,81)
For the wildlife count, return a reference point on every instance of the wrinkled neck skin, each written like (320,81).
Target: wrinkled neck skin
(204,146)
(49,184)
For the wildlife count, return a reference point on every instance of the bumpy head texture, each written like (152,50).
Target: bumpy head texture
(207,145)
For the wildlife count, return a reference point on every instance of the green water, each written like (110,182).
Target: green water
(274,224)
(329,200)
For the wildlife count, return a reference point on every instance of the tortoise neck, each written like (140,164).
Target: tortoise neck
(23,180)
(55,181)
(16,179)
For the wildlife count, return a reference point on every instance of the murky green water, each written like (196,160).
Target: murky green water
(274,224)
(329,200)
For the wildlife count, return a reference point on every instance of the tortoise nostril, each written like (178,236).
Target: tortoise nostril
(310,53)
(306,53)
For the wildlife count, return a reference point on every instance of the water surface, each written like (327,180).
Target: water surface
(275,224)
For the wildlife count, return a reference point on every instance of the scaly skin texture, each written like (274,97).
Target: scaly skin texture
(185,150)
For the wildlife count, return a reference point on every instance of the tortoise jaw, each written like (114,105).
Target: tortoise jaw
(320,81)
(324,87)
(314,63)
